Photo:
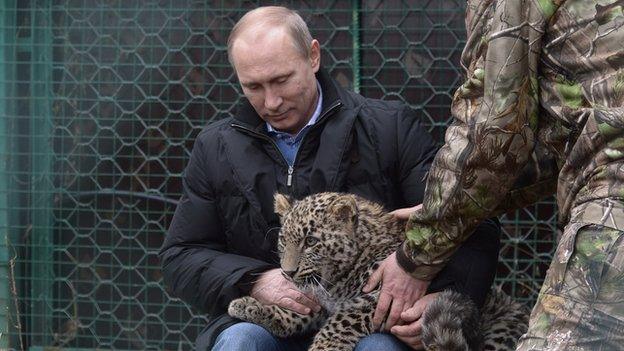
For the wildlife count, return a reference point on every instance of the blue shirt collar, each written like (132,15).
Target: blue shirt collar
(313,119)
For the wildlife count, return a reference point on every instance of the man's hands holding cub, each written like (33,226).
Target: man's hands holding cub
(272,288)
(399,291)
(402,298)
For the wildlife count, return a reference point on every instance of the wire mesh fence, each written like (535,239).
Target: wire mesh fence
(101,101)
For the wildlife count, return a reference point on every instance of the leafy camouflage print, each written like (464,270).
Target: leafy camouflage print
(541,111)
(543,98)
(581,303)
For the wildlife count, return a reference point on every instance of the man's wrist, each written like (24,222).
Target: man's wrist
(405,261)
(248,281)
(415,268)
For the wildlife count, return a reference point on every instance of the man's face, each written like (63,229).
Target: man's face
(278,81)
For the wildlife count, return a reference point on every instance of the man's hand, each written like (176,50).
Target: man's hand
(274,289)
(410,332)
(398,291)
(405,213)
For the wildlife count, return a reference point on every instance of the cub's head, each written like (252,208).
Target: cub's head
(318,241)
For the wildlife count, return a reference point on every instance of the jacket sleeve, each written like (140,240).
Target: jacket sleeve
(417,150)
(492,137)
(195,263)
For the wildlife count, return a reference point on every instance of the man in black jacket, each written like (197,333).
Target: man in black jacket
(298,133)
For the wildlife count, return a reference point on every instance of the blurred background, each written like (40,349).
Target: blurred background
(100,101)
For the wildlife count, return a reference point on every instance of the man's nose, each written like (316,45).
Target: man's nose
(272,101)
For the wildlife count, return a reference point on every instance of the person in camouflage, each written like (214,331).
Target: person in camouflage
(541,111)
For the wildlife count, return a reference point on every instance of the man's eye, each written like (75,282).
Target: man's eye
(311,241)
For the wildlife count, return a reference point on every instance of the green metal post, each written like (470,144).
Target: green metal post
(8,316)
(355,32)
(4,192)
(41,178)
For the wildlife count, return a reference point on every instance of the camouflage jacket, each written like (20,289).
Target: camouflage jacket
(540,111)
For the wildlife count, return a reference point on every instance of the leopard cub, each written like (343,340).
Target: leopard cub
(330,243)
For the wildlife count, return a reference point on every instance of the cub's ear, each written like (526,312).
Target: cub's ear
(344,208)
(282,204)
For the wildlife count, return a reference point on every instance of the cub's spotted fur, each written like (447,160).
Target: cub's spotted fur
(329,245)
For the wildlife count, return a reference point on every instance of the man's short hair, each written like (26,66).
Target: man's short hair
(274,16)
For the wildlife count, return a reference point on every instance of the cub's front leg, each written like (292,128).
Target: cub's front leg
(352,321)
(279,321)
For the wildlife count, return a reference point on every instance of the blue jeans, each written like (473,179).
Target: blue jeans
(252,337)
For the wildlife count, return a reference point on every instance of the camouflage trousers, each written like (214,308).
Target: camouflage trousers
(581,303)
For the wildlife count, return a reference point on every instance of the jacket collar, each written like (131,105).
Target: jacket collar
(246,115)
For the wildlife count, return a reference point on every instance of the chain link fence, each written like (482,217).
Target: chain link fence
(100,102)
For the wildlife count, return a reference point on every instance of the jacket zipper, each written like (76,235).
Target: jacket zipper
(290,173)
(291,169)
(263,137)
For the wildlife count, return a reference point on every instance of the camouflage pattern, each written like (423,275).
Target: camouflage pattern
(541,110)
(581,303)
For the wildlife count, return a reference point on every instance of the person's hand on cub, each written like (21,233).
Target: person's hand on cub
(399,290)
(410,332)
(273,288)
(405,213)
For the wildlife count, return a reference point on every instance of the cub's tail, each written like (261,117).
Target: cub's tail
(503,321)
(453,322)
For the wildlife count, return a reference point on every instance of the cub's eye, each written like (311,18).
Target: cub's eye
(311,241)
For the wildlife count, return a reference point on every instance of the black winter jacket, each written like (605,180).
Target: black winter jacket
(224,228)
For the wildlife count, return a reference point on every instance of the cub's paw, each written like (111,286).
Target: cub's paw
(246,308)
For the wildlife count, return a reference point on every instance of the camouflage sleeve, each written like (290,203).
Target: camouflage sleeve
(493,134)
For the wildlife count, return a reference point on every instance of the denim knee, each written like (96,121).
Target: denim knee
(381,341)
(245,337)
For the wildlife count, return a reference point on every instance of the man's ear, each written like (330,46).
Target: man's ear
(282,204)
(315,55)
(345,210)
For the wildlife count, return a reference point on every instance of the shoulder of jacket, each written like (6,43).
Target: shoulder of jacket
(376,108)
(211,128)
(376,104)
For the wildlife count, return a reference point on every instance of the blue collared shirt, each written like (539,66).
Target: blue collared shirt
(288,144)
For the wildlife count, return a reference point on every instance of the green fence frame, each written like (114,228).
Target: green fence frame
(39,45)
(7,256)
